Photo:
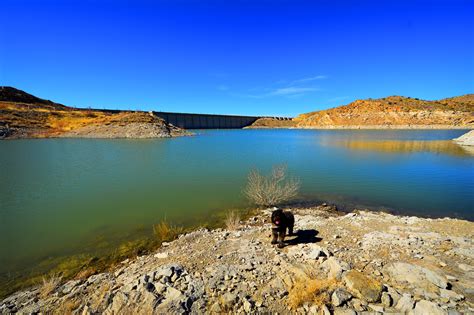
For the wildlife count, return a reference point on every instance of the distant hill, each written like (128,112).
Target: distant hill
(23,115)
(395,112)
(10,94)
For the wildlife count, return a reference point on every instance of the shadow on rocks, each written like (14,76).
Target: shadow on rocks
(304,237)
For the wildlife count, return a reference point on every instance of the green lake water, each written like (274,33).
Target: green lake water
(61,197)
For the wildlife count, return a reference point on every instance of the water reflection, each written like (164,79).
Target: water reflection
(396,146)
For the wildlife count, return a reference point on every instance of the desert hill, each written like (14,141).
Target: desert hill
(395,111)
(23,115)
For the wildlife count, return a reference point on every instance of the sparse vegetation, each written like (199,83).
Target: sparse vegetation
(232,220)
(166,231)
(312,291)
(49,285)
(273,189)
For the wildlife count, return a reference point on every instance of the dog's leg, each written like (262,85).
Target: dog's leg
(281,238)
(290,228)
(274,236)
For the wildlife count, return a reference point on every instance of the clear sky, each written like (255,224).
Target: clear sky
(236,57)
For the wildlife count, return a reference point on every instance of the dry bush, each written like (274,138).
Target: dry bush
(273,189)
(166,231)
(49,285)
(312,291)
(232,220)
(66,307)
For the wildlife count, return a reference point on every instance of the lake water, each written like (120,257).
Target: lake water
(61,197)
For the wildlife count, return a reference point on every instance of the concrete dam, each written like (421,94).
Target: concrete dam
(210,121)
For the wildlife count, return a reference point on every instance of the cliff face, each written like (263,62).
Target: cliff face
(395,111)
(25,116)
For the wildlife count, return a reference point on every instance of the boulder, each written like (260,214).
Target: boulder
(362,286)
(426,307)
(416,275)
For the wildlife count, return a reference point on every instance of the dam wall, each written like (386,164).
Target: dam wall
(209,121)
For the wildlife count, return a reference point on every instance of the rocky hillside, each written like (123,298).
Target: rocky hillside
(395,112)
(25,116)
(262,123)
(335,264)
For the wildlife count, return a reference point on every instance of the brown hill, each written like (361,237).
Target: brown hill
(10,94)
(23,115)
(395,112)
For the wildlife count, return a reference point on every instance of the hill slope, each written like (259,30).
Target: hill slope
(23,115)
(393,112)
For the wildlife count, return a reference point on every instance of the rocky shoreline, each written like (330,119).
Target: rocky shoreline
(466,139)
(357,263)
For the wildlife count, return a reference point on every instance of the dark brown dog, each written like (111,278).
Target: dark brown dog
(281,220)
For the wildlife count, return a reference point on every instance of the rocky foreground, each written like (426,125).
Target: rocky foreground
(356,263)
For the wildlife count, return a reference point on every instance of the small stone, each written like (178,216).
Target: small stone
(340,296)
(228,300)
(324,310)
(386,299)
(247,306)
(377,308)
(359,305)
(161,255)
(442,264)
(343,311)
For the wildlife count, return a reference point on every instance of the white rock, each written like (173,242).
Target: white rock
(405,304)
(377,308)
(424,307)
(161,255)
(416,275)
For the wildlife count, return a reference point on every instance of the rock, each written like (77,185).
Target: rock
(247,306)
(119,301)
(343,311)
(415,275)
(335,267)
(362,286)
(229,300)
(394,295)
(405,304)
(386,299)
(340,296)
(216,308)
(465,267)
(377,308)
(424,307)
(359,305)
(324,310)
(173,294)
(161,255)
(450,295)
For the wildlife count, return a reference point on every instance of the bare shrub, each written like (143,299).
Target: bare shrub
(232,220)
(312,291)
(166,231)
(273,189)
(49,285)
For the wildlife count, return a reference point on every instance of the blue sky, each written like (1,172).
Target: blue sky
(236,57)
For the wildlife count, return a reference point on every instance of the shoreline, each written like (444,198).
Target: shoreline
(240,271)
